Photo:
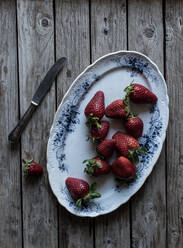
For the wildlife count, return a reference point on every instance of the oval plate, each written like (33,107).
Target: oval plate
(68,145)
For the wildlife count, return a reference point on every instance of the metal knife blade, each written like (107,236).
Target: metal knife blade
(46,83)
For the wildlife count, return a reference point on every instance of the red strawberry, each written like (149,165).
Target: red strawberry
(32,168)
(80,190)
(128,146)
(106,148)
(140,94)
(96,167)
(95,109)
(98,134)
(116,110)
(123,168)
(134,126)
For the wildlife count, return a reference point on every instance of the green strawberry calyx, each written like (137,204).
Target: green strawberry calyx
(93,121)
(91,195)
(94,140)
(90,166)
(133,154)
(127,106)
(27,165)
(129,89)
(131,116)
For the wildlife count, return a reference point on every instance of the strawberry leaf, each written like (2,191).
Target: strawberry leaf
(89,170)
(93,187)
(91,195)
(27,164)
(98,164)
(126,109)
(93,140)
(95,195)
(91,164)
(91,161)
(132,115)
(79,202)
(129,89)
(133,156)
(93,121)
(142,150)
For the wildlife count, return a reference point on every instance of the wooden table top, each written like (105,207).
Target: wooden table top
(33,35)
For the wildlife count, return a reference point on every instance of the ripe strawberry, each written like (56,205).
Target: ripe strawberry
(140,94)
(96,167)
(106,148)
(80,190)
(116,110)
(123,168)
(134,126)
(32,168)
(128,146)
(98,134)
(95,109)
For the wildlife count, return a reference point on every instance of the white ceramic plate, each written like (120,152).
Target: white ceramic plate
(67,146)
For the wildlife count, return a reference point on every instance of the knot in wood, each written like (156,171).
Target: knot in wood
(149,31)
(44,22)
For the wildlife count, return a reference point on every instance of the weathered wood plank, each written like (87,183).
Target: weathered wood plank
(108,34)
(145,29)
(36,55)
(10,197)
(108,27)
(174,76)
(72,41)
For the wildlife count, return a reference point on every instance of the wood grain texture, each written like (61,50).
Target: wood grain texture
(108,34)
(174,76)
(36,56)
(10,189)
(148,206)
(72,41)
(108,27)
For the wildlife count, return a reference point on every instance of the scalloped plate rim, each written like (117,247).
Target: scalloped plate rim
(57,113)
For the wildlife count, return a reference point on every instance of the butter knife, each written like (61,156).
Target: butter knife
(40,93)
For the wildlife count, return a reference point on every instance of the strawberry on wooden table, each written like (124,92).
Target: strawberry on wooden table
(123,168)
(128,146)
(98,134)
(95,109)
(134,126)
(117,110)
(32,168)
(106,148)
(80,190)
(140,94)
(96,167)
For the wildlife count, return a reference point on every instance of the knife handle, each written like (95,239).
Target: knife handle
(15,134)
